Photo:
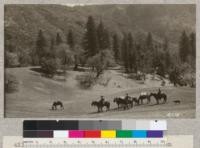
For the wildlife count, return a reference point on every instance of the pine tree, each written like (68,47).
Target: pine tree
(149,42)
(100,35)
(184,47)
(193,44)
(167,60)
(124,50)
(58,39)
(103,37)
(115,47)
(106,39)
(52,48)
(40,46)
(70,39)
(131,53)
(90,38)
(149,51)
(166,44)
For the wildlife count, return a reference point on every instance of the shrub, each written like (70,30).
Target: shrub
(86,80)
(11,59)
(49,66)
(11,83)
(101,61)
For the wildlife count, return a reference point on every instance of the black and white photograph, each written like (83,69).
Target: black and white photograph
(114,61)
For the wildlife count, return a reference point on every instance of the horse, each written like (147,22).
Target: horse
(130,101)
(159,96)
(122,102)
(134,99)
(143,96)
(57,103)
(100,105)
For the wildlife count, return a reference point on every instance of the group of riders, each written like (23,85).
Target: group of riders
(122,102)
(127,101)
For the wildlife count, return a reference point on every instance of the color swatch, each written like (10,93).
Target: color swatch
(94,134)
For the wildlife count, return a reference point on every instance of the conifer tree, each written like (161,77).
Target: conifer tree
(90,43)
(124,50)
(40,46)
(58,39)
(184,47)
(131,53)
(70,39)
(193,44)
(115,46)
(103,37)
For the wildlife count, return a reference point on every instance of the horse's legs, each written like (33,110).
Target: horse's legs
(157,100)
(165,99)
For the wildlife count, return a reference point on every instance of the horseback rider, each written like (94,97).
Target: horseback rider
(102,100)
(159,91)
(127,97)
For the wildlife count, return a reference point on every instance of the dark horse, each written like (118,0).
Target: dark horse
(57,103)
(124,103)
(134,99)
(144,96)
(100,105)
(159,96)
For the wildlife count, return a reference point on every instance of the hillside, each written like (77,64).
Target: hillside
(36,94)
(22,22)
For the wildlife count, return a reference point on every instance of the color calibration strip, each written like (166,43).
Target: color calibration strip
(94,134)
(94,125)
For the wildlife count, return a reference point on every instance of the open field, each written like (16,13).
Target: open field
(36,95)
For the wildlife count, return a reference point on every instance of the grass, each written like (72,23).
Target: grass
(36,95)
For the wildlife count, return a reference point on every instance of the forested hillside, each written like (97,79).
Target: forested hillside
(139,37)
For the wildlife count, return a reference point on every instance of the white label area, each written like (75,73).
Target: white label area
(179,141)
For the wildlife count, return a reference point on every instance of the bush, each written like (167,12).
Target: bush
(11,83)
(104,80)
(49,66)
(11,59)
(86,80)
(101,61)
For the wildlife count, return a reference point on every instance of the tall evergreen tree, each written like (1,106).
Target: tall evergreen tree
(103,37)
(100,35)
(193,44)
(166,44)
(40,46)
(184,47)
(106,39)
(70,39)
(149,42)
(58,39)
(167,60)
(90,38)
(131,53)
(52,48)
(115,46)
(149,51)
(125,55)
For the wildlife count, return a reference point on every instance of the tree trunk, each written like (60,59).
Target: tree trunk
(75,67)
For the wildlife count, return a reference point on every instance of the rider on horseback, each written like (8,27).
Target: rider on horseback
(159,91)
(127,97)
(102,100)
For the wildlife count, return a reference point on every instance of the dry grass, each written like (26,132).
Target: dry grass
(36,94)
